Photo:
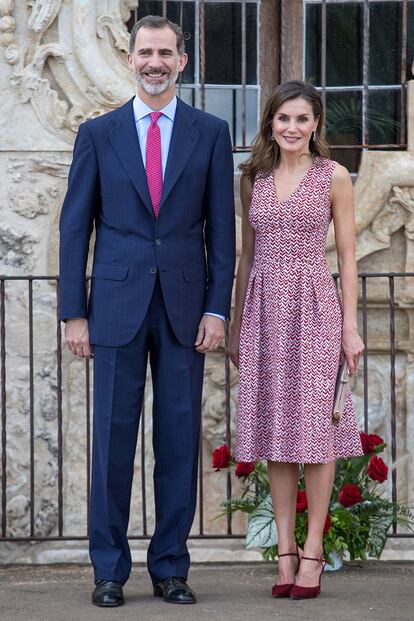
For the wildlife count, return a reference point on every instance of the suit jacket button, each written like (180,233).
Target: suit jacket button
(158,242)
(153,270)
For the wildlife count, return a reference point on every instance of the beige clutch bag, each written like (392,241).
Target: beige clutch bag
(342,390)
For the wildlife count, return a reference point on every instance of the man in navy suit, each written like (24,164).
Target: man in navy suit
(158,188)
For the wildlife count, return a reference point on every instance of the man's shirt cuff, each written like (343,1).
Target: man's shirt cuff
(216,315)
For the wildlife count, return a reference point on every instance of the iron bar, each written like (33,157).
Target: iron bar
(88,441)
(367,146)
(202,34)
(218,537)
(143,477)
(385,274)
(228,417)
(200,483)
(196,86)
(215,537)
(393,400)
(243,71)
(403,78)
(365,71)
(59,418)
(365,354)
(323,56)
(3,409)
(31,409)
(234,124)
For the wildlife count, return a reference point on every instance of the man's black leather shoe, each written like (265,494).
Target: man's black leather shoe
(107,593)
(175,591)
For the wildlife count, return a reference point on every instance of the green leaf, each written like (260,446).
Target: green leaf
(237,504)
(378,534)
(269,554)
(261,527)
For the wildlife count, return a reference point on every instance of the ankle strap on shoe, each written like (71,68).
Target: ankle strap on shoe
(288,554)
(309,558)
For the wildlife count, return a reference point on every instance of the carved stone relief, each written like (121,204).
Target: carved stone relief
(70,65)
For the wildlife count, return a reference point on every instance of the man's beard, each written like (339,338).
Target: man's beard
(157,88)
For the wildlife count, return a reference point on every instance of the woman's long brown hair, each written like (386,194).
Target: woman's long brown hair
(265,154)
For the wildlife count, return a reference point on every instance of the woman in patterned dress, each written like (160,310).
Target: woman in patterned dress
(289,330)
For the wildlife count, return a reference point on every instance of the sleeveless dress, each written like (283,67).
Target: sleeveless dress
(290,341)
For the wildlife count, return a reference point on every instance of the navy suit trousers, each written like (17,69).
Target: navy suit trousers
(119,380)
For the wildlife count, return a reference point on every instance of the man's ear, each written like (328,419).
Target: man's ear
(183,62)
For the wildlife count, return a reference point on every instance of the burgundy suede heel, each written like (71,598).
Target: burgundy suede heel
(299,592)
(283,590)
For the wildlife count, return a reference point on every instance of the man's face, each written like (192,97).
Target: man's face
(155,61)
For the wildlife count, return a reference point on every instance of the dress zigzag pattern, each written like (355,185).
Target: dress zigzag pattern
(290,340)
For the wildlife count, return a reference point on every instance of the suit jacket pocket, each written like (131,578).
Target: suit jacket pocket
(110,272)
(194,273)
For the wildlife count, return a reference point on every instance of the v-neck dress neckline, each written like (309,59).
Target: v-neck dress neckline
(298,187)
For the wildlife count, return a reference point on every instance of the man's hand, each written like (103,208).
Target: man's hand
(210,334)
(77,337)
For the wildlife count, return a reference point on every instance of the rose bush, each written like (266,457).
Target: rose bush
(359,515)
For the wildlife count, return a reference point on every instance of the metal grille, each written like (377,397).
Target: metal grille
(365,97)
(388,289)
(235,101)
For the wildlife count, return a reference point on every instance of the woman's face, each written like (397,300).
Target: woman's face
(293,124)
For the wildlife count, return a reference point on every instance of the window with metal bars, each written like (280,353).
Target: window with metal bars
(221,76)
(360,55)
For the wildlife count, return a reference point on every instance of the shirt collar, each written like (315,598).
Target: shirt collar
(141,109)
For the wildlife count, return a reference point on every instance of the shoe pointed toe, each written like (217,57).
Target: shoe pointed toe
(308,592)
(281,590)
(298,592)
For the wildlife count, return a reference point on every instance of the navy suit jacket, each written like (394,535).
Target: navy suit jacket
(191,245)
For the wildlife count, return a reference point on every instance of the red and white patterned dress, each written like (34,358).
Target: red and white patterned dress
(290,340)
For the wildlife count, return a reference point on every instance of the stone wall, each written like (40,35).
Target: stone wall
(63,62)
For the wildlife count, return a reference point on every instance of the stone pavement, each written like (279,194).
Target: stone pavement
(371,591)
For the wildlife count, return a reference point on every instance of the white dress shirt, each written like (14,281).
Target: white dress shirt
(142,117)
(165,123)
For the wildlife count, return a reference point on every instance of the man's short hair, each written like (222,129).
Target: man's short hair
(156,21)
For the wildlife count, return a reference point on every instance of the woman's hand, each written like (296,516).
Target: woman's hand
(233,347)
(352,346)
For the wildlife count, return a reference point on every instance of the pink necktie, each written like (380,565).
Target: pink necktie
(153,162)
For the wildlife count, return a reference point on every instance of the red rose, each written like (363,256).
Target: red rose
(328,524)
(370,442)
(349,495)
(301,501)
(244,468)
(377,469)
(221,457)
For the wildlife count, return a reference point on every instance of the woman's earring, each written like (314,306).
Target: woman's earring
(314,135)
(272,137)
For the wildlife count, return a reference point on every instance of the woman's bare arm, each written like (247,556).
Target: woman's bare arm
(244,267)
(342,196)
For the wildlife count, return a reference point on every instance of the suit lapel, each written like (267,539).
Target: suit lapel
(124,140)
(183,140)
